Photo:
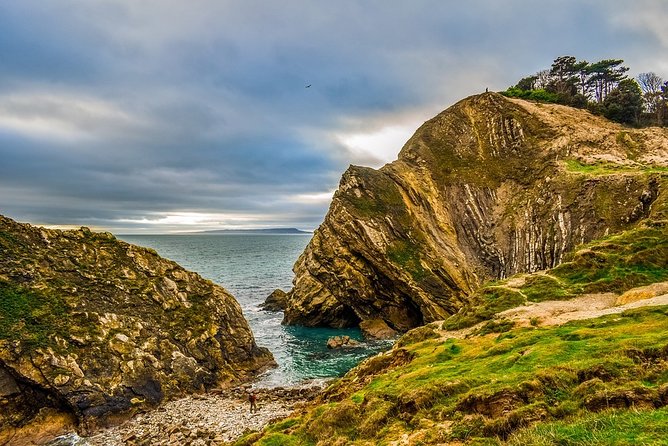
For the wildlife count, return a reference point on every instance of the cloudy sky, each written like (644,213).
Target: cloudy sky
(177,115)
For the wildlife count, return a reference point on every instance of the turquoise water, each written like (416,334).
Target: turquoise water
(251,266)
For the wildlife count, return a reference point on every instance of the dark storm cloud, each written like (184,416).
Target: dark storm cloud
(165,115)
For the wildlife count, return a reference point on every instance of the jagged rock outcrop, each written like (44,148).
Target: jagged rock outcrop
(94,328)
(488,188)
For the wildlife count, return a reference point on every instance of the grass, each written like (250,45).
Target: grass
(618,427)
(608,168)
(539,288)
(484,304)
(489,389)
(618,263)
(380,194)
(406,254)
(31,316)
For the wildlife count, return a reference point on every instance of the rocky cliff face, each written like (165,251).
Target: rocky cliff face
(92,327)
(488,188)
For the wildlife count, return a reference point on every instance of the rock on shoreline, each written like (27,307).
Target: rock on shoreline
(276,301)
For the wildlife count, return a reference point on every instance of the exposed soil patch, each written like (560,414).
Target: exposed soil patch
(588,306)
(557,312)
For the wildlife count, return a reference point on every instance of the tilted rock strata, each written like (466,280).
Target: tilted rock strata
(486,189)
(94,326)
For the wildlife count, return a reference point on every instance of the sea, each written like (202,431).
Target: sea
(250,267)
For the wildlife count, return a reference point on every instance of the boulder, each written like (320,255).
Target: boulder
(276,301)
(377,329)
(336,342)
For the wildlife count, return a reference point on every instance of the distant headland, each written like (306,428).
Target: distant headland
(278,231)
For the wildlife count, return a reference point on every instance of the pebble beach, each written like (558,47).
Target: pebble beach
(213,418)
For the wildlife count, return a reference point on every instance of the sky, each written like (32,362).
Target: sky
(161,116)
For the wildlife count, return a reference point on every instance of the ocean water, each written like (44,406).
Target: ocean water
(251,266)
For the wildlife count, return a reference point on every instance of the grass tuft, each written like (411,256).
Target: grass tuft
(608,168)
(618,427)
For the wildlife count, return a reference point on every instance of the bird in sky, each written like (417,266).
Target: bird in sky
(308,86)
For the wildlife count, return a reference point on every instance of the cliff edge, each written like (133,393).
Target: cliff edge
(488,188)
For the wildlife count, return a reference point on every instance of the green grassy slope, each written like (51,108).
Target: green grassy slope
(513,387)
(592,382)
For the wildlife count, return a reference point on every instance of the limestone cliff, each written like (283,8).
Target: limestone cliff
(488,188)
(92,327)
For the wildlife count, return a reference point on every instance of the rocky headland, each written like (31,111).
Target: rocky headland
(94,329)
(489,188)
(523,250)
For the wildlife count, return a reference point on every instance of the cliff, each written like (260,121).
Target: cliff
(488,188)
(92,328)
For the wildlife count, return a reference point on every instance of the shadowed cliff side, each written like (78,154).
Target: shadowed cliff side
(92,328)
(486,189)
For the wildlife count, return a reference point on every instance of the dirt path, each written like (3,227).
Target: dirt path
(584,307)
(588,306)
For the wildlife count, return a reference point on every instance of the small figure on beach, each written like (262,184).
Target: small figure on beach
(252,399)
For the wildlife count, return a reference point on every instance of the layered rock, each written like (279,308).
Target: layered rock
(93,327)
(486,189)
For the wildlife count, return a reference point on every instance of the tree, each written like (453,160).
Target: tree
(569,81)
(563,73)
(664,99)
(604,77)
(602,87)
(563,67)
(650,84)
(542,80)
(624,103)
(527,83)
(583,75)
